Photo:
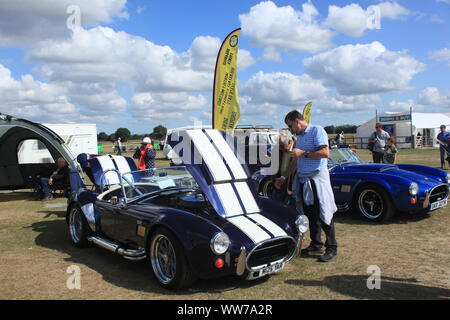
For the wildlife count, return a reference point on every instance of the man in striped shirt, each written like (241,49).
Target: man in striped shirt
(313,187)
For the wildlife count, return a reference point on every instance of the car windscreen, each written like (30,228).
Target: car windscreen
(147,181)
(342,155)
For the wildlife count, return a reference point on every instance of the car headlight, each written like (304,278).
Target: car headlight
(302,223)
(448,178)
(220,243)
(413,188)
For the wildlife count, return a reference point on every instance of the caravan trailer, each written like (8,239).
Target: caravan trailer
(78,137)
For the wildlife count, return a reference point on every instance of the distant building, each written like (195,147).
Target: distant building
(424,128)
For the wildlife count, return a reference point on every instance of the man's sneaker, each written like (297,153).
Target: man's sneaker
(47,198)
(312,251)
(328,255)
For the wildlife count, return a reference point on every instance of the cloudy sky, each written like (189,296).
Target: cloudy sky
(137,64)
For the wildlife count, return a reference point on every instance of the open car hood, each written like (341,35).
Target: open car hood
(217,171)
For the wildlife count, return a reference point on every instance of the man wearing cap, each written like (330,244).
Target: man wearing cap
(312,184)
(443,139)
(148,155)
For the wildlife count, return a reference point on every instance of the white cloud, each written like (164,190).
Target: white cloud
(285,28)
(25,22)
(33,99)
(400,106)
(444,1)
(103,55)
(166,106)
(341,103)
(440,55)
(353,20)
(271,54)
(392,10)
(245,59)
(281,88)
(432,97)
(364,69)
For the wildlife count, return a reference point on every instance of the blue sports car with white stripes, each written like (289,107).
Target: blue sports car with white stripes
(200,220)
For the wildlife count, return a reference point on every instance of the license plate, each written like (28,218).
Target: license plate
(438,204)
(272,269)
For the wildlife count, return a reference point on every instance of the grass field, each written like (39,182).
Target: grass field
(412,252)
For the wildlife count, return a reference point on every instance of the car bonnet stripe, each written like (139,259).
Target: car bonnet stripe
(209,154)
(228,199)
(251,229)
(270,226)
(106,164)
(247,198)
(123,167)
(228,155)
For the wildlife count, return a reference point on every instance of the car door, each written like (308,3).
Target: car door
(108,221)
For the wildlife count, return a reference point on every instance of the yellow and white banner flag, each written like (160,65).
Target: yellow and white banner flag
(307,112)
(226,110)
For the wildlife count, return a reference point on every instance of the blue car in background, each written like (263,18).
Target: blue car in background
(377,191)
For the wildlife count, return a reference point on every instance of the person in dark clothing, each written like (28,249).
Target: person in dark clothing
(443,138)
(83,160)
(59,175)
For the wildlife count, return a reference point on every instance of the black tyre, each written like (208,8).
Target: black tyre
(78,228)
(373,203)
(267,187)
(168,261)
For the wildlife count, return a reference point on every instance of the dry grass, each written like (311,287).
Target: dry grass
(412,252)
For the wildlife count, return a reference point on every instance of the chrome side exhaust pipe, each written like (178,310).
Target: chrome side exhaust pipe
(130,254)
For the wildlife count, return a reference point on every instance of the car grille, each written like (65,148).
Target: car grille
(271,251)
(439,193)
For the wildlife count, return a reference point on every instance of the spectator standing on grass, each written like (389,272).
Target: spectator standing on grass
(118,146)
(148,155)
(312,184)
(390,151)
(340,139)
(378,138)
(443,138)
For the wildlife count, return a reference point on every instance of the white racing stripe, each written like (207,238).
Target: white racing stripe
(123,167)
(225,150)
(228,199)
(212,159)
(106,164)
(253,231)
(268,225)
(247,198)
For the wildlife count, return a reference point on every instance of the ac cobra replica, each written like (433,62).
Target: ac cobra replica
(200,220)
(377,191)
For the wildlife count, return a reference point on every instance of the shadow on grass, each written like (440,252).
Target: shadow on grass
(17,196)
(398,218)
(117,270)
(391,288)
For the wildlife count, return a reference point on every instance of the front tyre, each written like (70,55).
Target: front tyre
(168,261)
(374,203)
(267,188)
(78,228)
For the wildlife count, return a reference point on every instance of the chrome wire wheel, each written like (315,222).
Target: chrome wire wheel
(370,204)
(75,225)
(163,259)
(268,188)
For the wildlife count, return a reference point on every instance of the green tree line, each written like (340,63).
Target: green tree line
(159,133)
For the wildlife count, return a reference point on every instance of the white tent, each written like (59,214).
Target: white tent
(424,127)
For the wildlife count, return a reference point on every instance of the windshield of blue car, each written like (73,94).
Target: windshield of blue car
(342,155)
(143,182)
